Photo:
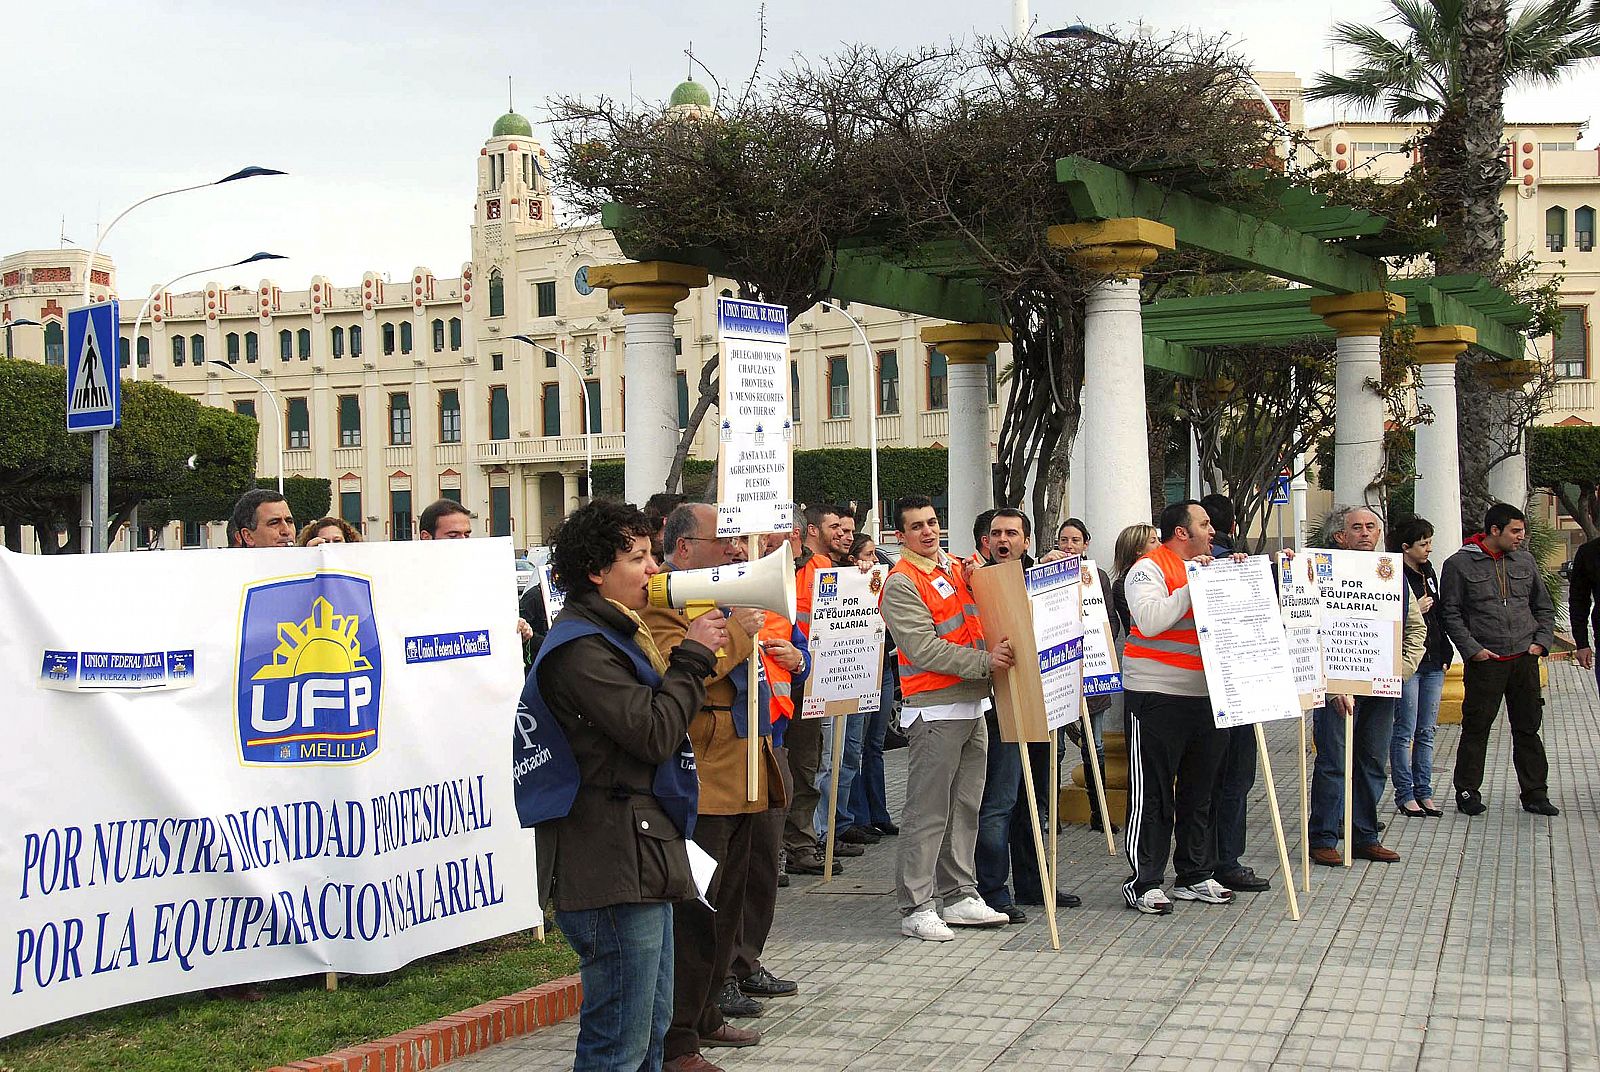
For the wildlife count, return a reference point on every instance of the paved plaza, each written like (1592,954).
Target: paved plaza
(1479,949)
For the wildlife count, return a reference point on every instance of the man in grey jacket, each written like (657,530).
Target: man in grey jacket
(945,671)
(1498,614)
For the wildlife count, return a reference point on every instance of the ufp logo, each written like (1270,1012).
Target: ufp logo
(310,680)
(828,585)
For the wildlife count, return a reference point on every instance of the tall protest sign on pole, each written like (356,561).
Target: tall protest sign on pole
(1055,598)
(1101,674)
(1020,707)
(1301,598)
(287,762)
(1363,610)
(846,648)
(755,483)
(1246,658)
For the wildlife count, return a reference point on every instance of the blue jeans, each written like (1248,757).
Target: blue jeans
(1002,782)
(1411,750)
(869,800)
(1374,728)
(855,730)
(625,961)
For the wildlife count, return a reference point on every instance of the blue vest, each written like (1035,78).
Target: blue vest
(542,764)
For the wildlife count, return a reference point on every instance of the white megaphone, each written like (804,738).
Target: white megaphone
(767,583)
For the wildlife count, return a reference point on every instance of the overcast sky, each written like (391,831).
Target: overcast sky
(377,110)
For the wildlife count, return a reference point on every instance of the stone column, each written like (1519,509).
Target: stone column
(967,348)
(1438,497)
(648,293)
(569,492)
(1116,452)
(1508,480)
(1358,320)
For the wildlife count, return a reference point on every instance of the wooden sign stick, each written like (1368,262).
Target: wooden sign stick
(1305,810)
(1349,768)
(752,787)
(1038,848)
(1055,794)
(1277,823)
(837,726)
(1098,780)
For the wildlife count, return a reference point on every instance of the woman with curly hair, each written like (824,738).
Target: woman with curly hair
(327,530)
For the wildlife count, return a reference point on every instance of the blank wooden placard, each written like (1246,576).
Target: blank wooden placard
(1002,597)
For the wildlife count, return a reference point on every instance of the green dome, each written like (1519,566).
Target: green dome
(690,93)
(512,123)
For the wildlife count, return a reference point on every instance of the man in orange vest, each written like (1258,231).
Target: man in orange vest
(1172,735)
(945,674)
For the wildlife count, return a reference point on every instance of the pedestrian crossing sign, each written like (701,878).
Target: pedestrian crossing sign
(94,390)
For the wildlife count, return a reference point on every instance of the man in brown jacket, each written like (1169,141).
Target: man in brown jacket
(704,939)
(622,707)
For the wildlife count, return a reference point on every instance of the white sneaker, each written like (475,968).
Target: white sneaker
(1210,891)
(971,912)
(1152,902)
(926,925)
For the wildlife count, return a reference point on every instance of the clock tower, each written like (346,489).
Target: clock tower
(513,196)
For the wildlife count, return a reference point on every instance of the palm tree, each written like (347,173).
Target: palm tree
(1449,68)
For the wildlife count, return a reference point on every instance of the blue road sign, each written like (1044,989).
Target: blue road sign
(1280,491)
(94,389)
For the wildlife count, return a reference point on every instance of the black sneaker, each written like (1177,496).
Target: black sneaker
(1243,880)
(1470,802)
(733,1002)
(1540,807)
(763,984)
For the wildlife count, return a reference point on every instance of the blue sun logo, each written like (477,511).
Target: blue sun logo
(309,686)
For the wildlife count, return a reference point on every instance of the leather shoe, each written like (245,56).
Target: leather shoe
(1099,827)
(730,1037)
(1243,880)
(859,835)
(1328,856)
(763,984)
(732,1002)
(1376,852)
(1540,807)
(810,863)
(842,848)
(1014,914)
(690,1062)
(1063,900)
(886,828)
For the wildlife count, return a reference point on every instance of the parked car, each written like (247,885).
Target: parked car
(527,575)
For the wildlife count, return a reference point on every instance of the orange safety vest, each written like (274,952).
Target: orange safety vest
(779,681)
(1180,645)
(804,579)
(955,619)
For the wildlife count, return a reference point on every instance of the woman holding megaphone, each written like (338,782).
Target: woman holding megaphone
(603,726)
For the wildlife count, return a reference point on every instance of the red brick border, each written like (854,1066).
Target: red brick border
(468,1031)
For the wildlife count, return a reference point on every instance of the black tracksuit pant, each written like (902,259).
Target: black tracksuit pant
(1173,740)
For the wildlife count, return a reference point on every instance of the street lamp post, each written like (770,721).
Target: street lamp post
(583,392)
(277,410)
(19,322)
(99,497)
(873,522)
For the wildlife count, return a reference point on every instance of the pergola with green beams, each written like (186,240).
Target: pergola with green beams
(1324,251)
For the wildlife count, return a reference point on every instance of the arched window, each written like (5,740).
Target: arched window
(303,339)
(251,353)
(1555,229)
(197,349)
(388,339)
(438,336)
(143,351)
(355,340)
(336,338)
(455,333)
(232,342)
(122,352)
(1583,229)
(177,350)
(497,293)
(285,344)
(405,336)
(55,344)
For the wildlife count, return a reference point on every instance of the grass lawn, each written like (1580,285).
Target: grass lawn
(297,1019)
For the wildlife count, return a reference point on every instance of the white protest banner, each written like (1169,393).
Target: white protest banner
(331,791)
(1362,610)
(1301,598)
(754,483)
(1058,632)
(846,643)
(1242,643)
(1101,674)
